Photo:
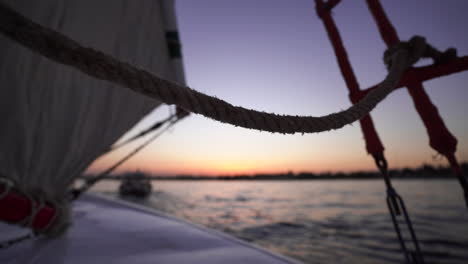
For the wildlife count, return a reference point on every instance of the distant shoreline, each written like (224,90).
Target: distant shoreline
(425,172)
(281,179)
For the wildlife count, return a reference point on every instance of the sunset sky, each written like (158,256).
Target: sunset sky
(275,56)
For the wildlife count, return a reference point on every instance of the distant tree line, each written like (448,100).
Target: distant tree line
(424,172)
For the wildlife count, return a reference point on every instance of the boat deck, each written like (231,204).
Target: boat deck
(112,231)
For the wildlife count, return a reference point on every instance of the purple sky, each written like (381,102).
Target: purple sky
(274,55)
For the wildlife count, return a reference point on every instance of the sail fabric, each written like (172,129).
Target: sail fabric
(56,120)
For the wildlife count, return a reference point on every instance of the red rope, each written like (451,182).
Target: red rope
(425,73)
(373,143)
(386,29)
(440,137)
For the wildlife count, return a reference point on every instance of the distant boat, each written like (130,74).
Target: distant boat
(135,185)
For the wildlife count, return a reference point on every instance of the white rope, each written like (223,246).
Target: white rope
(64,50)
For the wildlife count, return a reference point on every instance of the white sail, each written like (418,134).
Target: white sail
(56,120)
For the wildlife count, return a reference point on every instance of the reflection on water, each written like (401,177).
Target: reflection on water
(321,221)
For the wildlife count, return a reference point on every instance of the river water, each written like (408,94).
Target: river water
(334,221)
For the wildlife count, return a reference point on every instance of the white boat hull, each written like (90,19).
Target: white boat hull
(112,231)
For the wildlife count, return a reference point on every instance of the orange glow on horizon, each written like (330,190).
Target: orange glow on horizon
(215,167)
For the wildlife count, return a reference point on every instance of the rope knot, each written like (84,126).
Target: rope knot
(415,47)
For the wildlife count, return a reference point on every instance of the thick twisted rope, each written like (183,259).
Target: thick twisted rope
(62,49)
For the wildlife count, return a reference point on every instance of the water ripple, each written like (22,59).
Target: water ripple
(324,221)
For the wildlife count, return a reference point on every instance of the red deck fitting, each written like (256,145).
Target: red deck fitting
(15,207)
